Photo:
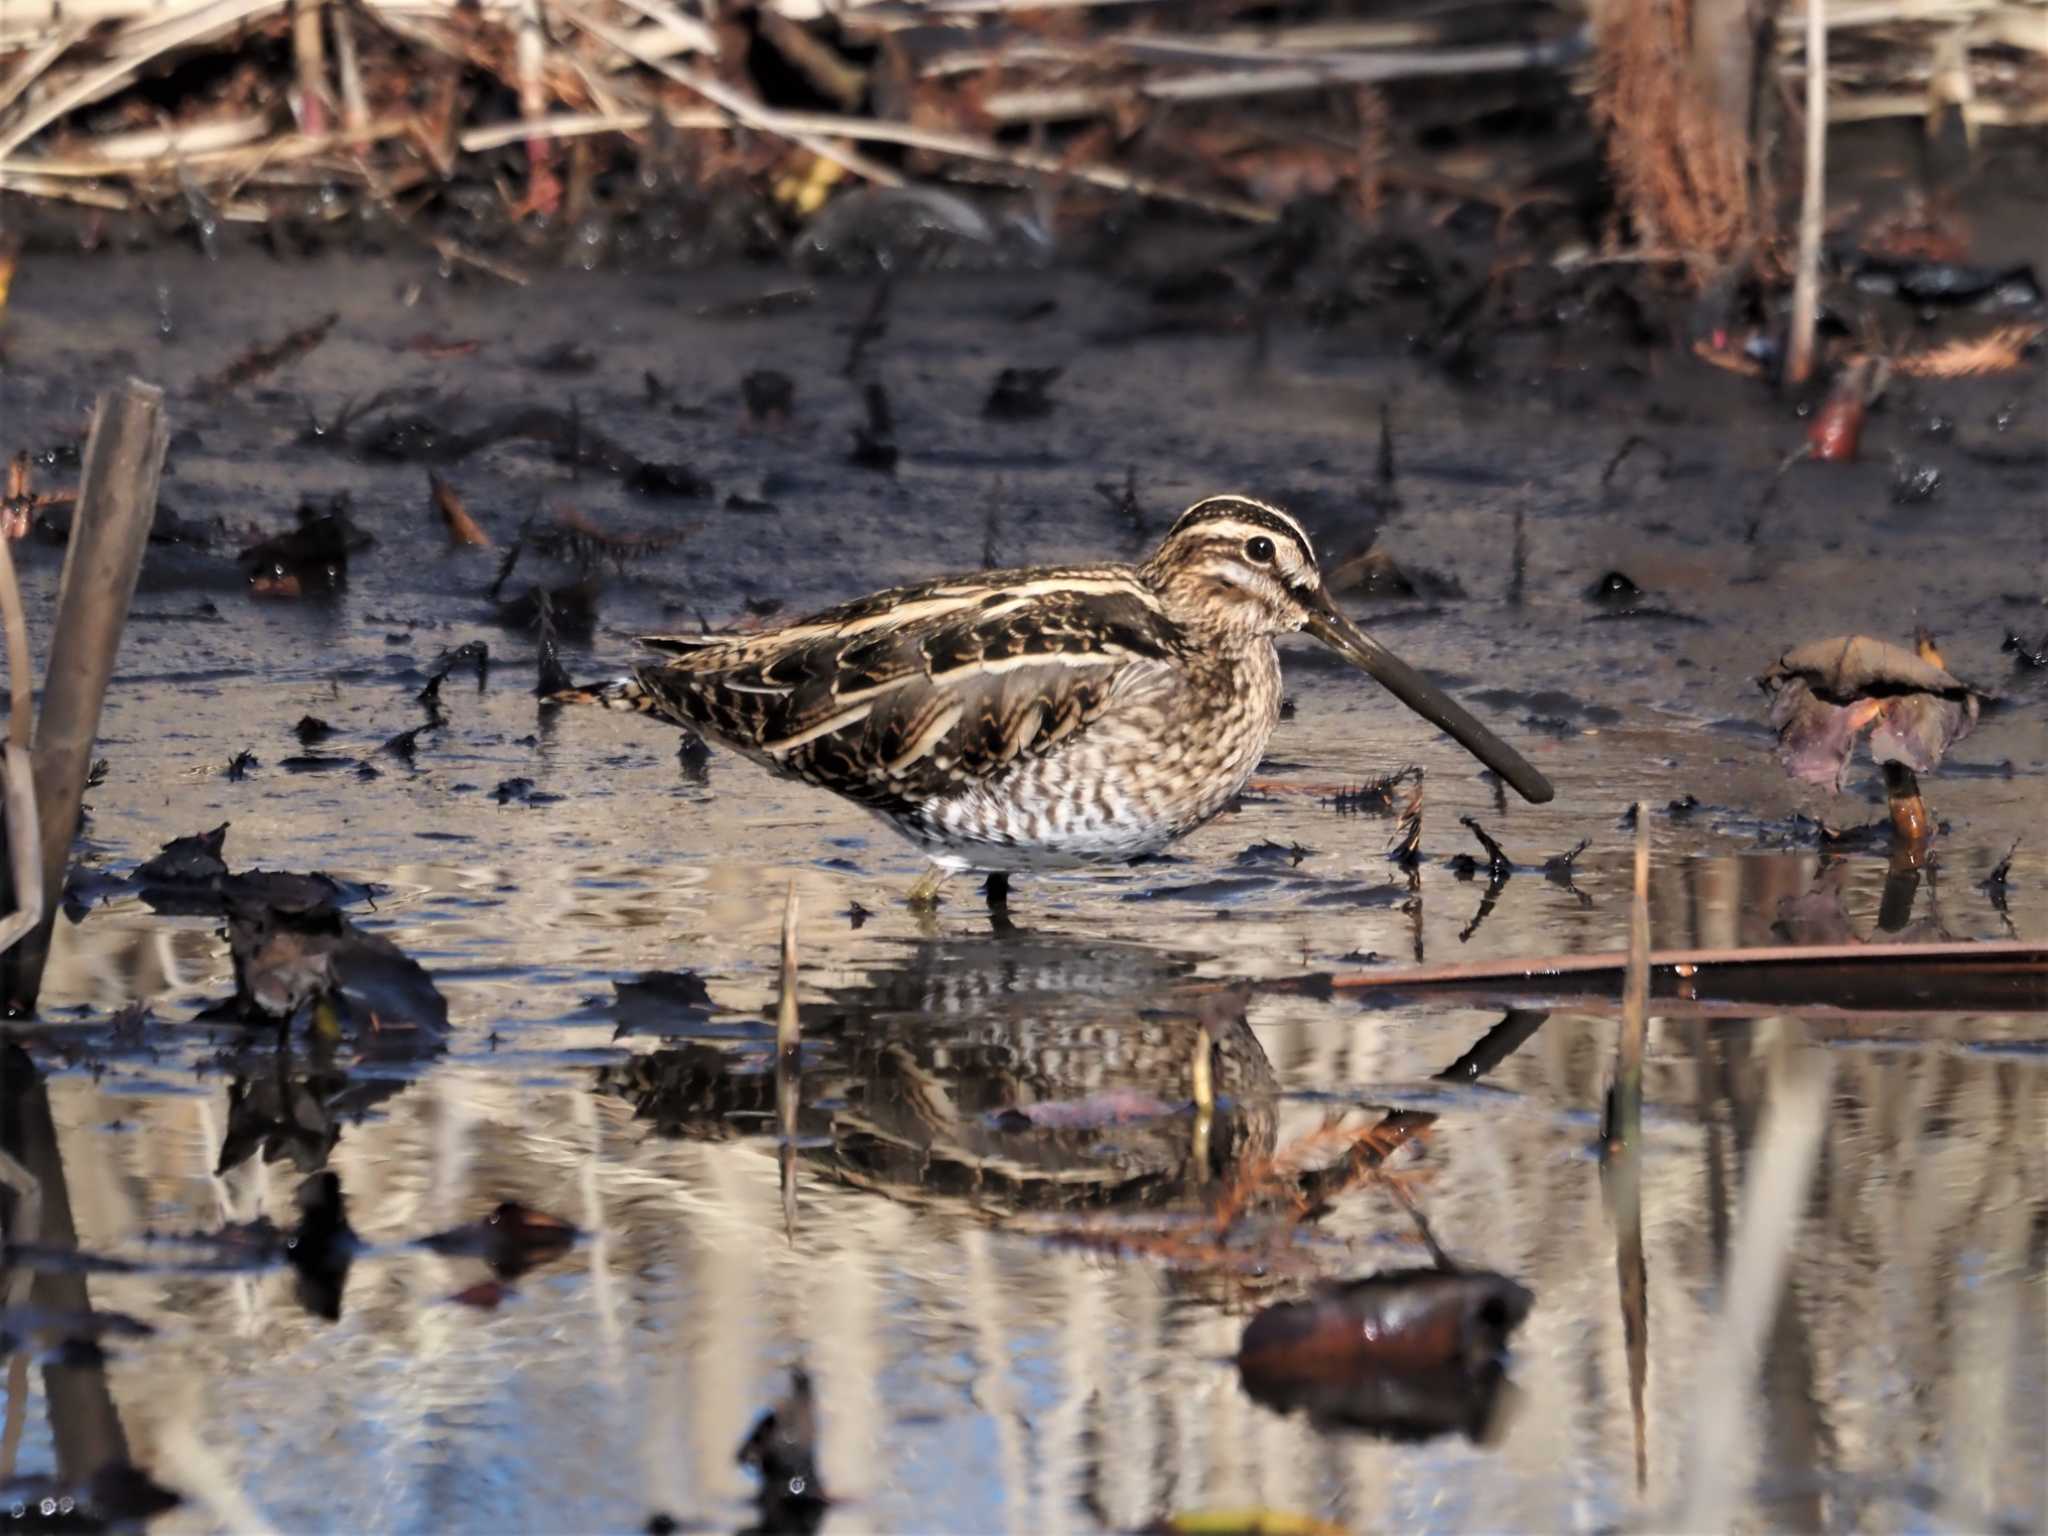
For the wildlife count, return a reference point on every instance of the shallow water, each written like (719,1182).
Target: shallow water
(975,1373)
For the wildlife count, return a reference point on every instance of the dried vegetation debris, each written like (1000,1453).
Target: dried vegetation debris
(1826,695)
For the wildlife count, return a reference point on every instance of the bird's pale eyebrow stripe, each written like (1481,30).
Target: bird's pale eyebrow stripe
(1245,513)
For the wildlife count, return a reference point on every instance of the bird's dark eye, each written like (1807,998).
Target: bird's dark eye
(1259,551)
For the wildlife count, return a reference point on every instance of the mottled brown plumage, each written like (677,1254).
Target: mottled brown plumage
(1043,717)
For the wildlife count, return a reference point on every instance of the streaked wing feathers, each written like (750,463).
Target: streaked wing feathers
(910,694)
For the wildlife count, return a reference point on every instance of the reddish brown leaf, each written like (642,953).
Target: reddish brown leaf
(485,1295)
(462,528)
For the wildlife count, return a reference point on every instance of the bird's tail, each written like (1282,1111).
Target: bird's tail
(626,693)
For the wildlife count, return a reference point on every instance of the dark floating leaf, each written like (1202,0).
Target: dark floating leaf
(524,790)
(311,729)
(2023,654)
(567,358)
(677,480)
(661,1003)
(1020,394)
(298,959)
(1913,484)
(874,441)
(770,397)
(1614,590)
(242,764)
(1408,1354)
(312,558)
(191,860)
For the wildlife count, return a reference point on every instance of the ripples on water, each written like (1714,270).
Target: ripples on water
(972,1373)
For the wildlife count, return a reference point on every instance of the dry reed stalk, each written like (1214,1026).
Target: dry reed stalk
(309,55)
(1682,175)
(962,146)
(355,103)
(1308,75)
(719,94)
(93,82)
(37,59)
(1813,197)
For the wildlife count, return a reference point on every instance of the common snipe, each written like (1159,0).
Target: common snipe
(1048,717)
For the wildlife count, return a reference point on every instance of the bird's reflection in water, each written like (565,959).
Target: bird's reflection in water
(1016,1070)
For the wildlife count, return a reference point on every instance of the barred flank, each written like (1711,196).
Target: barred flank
(627,693)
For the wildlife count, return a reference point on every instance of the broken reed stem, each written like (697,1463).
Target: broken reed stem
(17,766)
(116,505)
(1781,1168)
(1812,209)
(21,681)
(1205,1098)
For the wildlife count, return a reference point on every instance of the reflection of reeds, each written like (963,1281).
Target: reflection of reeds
(1781,1168)
(1625,1148)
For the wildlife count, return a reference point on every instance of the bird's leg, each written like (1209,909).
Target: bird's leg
(924,895)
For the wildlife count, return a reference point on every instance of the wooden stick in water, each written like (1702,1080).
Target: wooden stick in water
(116,505)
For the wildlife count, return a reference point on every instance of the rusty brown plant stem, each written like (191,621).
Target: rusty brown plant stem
(116,505)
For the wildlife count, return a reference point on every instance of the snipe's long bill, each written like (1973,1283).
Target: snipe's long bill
(1048,717)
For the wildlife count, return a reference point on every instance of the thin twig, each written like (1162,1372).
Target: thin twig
(719,94)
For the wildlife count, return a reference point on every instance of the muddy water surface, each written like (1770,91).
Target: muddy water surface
(976,1369)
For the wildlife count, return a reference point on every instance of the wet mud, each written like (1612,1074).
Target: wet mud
(547,1219)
